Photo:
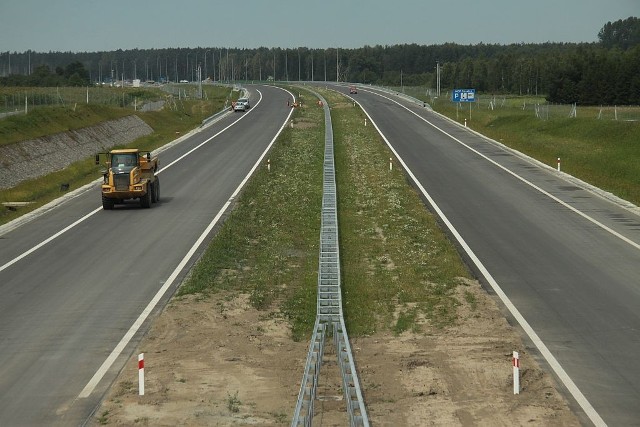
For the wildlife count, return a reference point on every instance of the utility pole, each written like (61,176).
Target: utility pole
(337,65)
(438,79)
(206,74)
(325,65)
(187,68)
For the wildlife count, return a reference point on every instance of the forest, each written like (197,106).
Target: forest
(603,72)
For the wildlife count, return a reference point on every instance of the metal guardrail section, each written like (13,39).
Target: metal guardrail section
(329,306)
(306,398)
(350,384)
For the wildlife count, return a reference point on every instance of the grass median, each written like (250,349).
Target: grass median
(399,271)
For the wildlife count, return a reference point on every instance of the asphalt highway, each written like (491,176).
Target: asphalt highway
(77,282)
(564,259)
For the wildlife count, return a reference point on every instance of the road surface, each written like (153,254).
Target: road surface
(68,303)
(565,257)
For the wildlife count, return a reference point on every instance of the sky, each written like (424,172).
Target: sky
(106,25)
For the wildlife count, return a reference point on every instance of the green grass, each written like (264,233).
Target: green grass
(393,253)
(233,403)
(50,120)
(602,152)
(167,125)
(103,419)
(268,247)
(53,110)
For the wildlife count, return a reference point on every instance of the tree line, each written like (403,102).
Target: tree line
(74,74)
(604,72)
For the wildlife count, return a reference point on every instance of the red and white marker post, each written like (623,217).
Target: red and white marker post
(141,374)
(558,164)
(516,373)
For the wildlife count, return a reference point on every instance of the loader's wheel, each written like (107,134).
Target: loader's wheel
(155,191)
(107,203)
(145,201)
(157,188)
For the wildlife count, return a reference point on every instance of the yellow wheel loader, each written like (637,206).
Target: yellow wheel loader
(130,174)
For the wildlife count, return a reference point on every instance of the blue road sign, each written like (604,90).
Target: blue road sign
(464,95)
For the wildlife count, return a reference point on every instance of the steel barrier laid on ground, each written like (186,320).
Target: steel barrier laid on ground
(329,316)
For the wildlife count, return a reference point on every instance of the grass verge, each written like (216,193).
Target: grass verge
(601,152)
(167,125)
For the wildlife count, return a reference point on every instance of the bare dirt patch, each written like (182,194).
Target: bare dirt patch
(217,361)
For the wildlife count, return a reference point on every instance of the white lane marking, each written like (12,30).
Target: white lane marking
(553,362)
(53,237)
(90,214)
(214,136)
(529,183)
(117,351)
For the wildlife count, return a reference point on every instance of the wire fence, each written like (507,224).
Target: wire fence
(26,99)
(18,100)
(535,105)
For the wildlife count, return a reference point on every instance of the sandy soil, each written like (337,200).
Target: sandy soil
(216,361)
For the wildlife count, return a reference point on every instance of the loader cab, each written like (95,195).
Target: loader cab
(124,162)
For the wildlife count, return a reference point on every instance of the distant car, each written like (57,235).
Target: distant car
(244,101)
(239,106)
(352,89)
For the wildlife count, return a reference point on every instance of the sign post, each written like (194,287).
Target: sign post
(464,95)
(516,372)
(141,374)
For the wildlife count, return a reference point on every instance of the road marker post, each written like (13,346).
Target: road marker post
(390,164)
(558,164)
(516,372)
(365,122)
(268,165)
(141,374)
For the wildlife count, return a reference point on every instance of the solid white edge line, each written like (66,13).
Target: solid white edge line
(525,181)
(553,362)
(117,351)
(53,237)
(86,187)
